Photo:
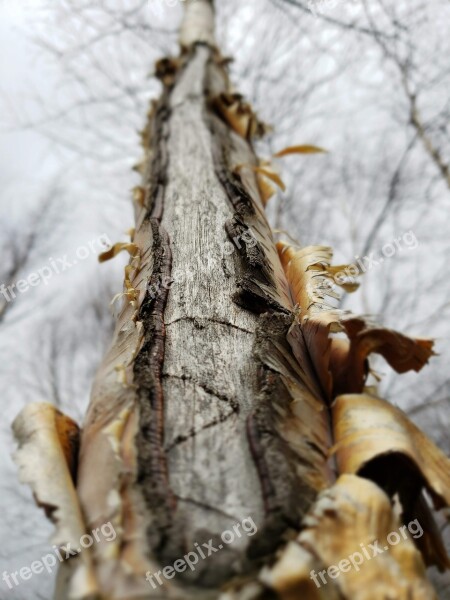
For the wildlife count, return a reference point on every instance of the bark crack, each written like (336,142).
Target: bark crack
(179,439)
(152,465)
(152,475)
(206,388)
(208,507)
(198,322)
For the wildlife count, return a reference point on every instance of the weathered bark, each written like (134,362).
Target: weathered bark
(222,458)
(208,385)
(206,406)
(220,399)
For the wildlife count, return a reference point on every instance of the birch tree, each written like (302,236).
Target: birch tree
(234,391)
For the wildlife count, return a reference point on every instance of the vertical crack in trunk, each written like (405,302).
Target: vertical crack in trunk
(152,476)
(152,464)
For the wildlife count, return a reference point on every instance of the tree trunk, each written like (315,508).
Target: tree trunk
(213,406)
(207,449)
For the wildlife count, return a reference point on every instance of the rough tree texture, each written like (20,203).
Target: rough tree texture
(201,407)
(225,393)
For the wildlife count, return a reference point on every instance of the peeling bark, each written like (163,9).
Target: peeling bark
(217,400)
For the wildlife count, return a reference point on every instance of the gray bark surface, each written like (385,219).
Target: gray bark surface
(210,375)
(217,445)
